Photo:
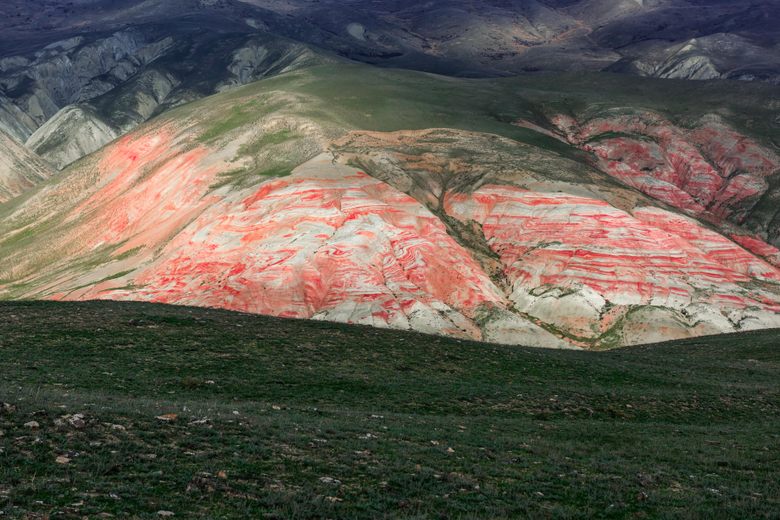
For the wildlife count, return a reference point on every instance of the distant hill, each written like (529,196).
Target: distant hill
(97,68)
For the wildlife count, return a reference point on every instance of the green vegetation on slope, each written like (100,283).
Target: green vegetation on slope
(294,419)
(268,159)
(238,116)
(366,98)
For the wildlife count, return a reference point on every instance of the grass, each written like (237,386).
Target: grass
(360,96)
(279,164)
(293,419)
(267,140)
(238,116)
(244,176)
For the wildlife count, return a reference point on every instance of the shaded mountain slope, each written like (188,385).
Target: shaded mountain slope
(75,95)
(353,194)
(20,169)
(110,65)
(735,40)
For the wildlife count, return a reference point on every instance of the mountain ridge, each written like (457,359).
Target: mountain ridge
(227,202)
(119,50)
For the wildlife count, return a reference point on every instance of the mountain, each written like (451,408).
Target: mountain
(586,211)
(482,258)
(75,75)
(73,96)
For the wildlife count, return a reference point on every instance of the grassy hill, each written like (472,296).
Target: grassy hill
(291,419)
(358,96)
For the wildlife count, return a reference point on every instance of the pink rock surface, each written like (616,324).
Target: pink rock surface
(757,246)
(326,242)
(330,242)
(654,258)
(714,245)
(711,171)
(150,191)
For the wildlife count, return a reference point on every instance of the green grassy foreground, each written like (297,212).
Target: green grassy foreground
(293,419)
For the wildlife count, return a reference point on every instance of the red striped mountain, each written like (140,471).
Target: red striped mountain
(309,196)
(708,170)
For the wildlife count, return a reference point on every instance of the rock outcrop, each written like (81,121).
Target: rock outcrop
(76,95)
(710,170)
(74,70)
(596,264)
(328,242)
(588,268)
(713,56)
(20,169)
(72,133)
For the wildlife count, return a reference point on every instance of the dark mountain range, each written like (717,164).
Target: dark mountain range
(113,64)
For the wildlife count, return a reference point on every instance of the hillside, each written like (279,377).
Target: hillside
(144,408)
(388,259)
(20,169)
(76,74)
(76,95)
(412,201)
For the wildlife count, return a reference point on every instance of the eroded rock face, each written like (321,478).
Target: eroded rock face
(20,170)
(257,59)
(70,134)
(595,262)
(333,243)
(72,71)
(439,230)
(758,247)
(714,56)
(328,242)
(585,266)
(76,95)
(710,170)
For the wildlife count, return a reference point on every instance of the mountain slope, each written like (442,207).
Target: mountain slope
(75,95)
(306,196)
(115,64)
(20,169)
(69,135)
(707,169)
(736,40)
